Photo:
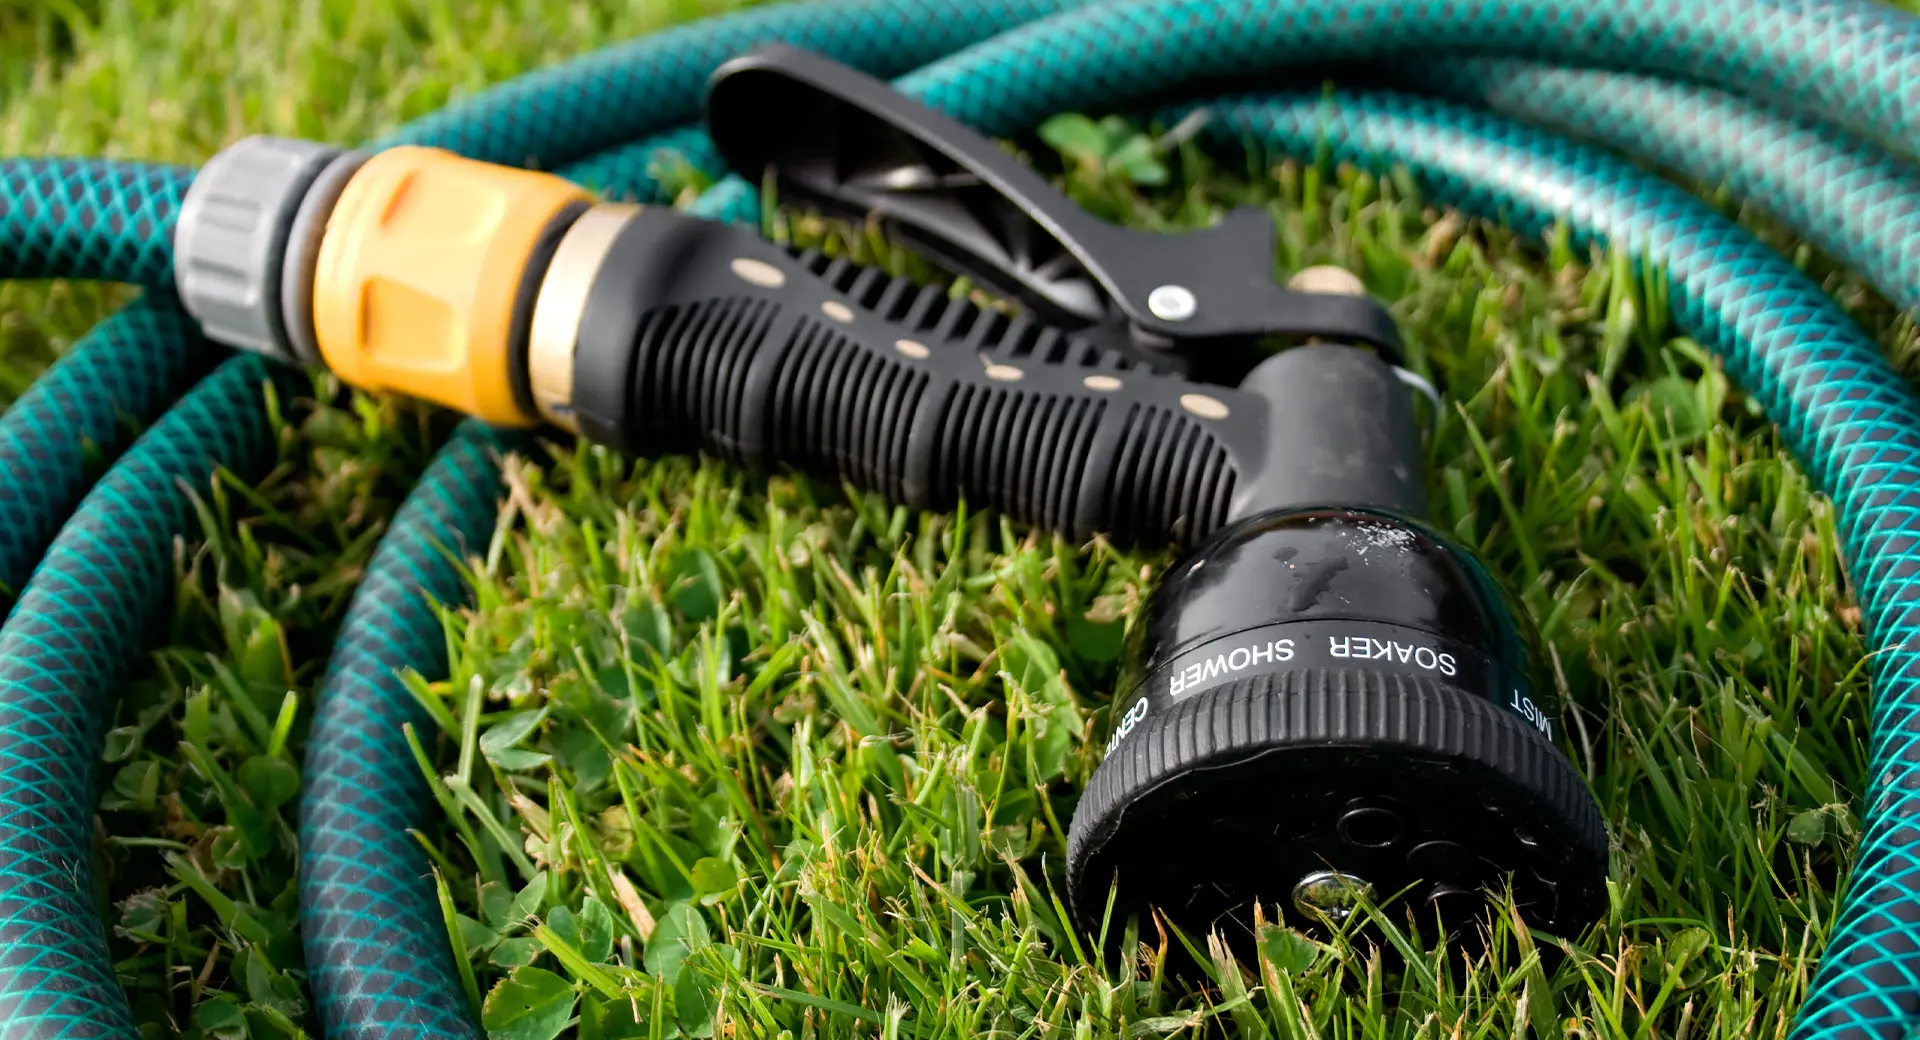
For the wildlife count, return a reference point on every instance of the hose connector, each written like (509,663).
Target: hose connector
(233,235)
(428,273)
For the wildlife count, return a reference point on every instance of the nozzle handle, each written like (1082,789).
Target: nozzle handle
(698,335)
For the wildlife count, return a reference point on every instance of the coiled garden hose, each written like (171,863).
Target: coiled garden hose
(382,949)
(120,374)
(104,220)
(1853,200)
(1843,410)
(73,634)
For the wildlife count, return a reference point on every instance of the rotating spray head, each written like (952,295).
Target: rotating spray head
(1329,702)
(1324,704)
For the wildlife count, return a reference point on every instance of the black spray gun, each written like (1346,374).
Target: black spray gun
(1326,700)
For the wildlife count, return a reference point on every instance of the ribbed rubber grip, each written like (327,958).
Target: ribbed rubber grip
(701,336)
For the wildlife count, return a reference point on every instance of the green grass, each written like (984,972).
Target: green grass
(820,750)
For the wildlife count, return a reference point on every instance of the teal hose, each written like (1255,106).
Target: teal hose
(1854,424)
(116,378)
(1854,62)
(382,953)
(98,219)
(608,99)
(108,221)
(62,652)
(1838,191)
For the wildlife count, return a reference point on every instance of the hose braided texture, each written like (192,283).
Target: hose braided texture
(607,99)
(77,625)
(1856,426)
(89,218)
(1840,192)
(1854,61)
(116,377)
(378,951)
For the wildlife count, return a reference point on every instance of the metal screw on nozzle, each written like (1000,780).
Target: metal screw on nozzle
(1172,303)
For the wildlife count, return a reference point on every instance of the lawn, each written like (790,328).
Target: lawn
(832,744)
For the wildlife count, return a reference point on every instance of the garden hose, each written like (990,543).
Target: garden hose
(1855,201)
(121,374)
(1842,409)
(72,636)
(88,218)
(383,962)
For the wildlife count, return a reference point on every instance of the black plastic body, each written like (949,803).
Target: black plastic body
(1321,654)
(848,143)
(1340,430)
(1334,689)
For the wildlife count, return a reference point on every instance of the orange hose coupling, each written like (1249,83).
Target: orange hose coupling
(427,275)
